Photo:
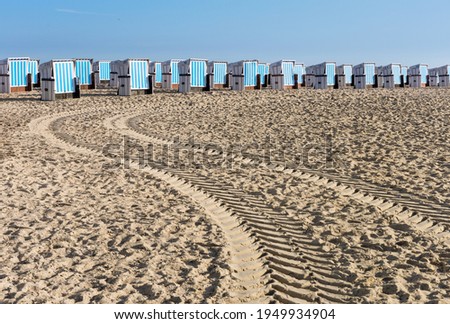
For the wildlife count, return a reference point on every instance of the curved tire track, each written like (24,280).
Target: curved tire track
(293,268)
(290,266)
(299,270)
(247,269)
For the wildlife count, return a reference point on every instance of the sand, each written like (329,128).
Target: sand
(297,196)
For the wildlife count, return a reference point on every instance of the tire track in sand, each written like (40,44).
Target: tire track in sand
(299,269)
(248,270)
(295,269)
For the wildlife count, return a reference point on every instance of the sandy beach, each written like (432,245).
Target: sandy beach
(334,196)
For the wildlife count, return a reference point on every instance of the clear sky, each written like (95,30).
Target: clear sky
(309,31)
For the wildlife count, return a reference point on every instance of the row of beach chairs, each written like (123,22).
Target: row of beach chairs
(67,78)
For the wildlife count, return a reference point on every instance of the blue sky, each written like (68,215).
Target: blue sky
(309,31)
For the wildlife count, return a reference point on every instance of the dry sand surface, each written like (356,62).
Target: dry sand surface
(296,196)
